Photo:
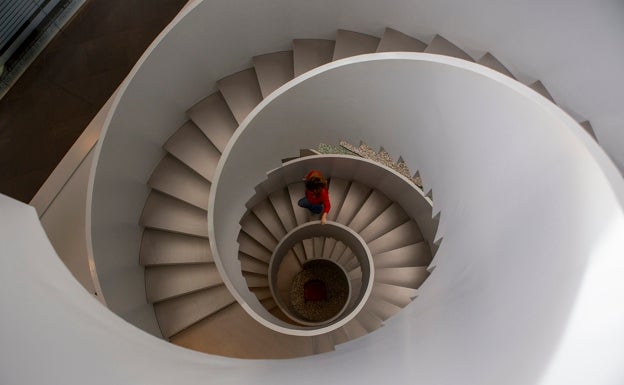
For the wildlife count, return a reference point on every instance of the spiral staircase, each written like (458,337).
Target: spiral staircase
(525,288)
(193,306)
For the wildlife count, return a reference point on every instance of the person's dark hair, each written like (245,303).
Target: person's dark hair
(315,183)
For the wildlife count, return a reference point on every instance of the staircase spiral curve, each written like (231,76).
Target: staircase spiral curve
(191,302)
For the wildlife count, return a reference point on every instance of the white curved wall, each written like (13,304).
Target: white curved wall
(574,48)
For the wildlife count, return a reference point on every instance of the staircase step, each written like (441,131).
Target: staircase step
(404,235)
(353,202)
(311,53)
(214,118)
(241,92)
(369,320)
(308,247)
(417,254)
(165,248)
(269,218)
(389,219)
(284,209)
(261,292)
(339,336)
(179,313)
(296,191)
(174,178)
(351,264)
(193,148)
(253,248)
(349,43)
(411,277)
(397,295)
(231,332)
(356,286)
(269,303)
(492,62)
(328,247)
(323,344)
(253,227)
(340,250)
(382,309)
(373,207)
(395,41)
(273,70)
(588,127)
(318,243)
(540,88)
(354,329)
(164,282)
(337,190)
(289,268)
(256,280)
(441,46)
(166,213)
(252,265)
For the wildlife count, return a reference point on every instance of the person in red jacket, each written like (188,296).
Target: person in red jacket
(316,196)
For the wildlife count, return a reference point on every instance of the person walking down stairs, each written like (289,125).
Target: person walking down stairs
(316,197)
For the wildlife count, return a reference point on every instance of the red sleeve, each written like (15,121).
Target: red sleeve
(325,198)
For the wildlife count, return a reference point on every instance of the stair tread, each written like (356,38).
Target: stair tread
(163,247)
(179,313)
(241,92)
(323,344)
(289,268)
(193,148)
(164,282)
(416,254)
(252,265)
(369,320)
(214,118)
(311,53)
(166,213)
(265,212)
(176,179)
(382,309)
(441,46)
(256,280)
(540,88)
(372,208)
(395,41)
(492,62)
(354,329)
(588,127)
(338,189)
(253,227)
(403,235)
(350,43)
(273,70)
(411,277)
(261,292)
(251,247)
(284,209)
(356,196)
(232,332)
(296,191)
(397,295)
(390,218)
